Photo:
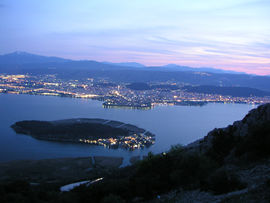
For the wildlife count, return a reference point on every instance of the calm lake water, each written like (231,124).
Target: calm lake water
(171,124)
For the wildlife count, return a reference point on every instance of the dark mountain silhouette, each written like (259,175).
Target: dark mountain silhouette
(126,64)
(24,57)
(28,58)
(175,67)
(227,91)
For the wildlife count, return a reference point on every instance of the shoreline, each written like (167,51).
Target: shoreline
(140,107)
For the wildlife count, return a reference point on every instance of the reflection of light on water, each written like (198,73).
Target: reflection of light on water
(71,186)
(254,105)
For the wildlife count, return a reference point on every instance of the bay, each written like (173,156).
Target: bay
(171,125)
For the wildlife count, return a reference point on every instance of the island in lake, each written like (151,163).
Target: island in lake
(112,134)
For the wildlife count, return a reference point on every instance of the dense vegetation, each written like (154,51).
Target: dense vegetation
(161,173)
(254,146)
(69,131)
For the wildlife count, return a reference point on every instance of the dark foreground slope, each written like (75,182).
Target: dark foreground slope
(229,165)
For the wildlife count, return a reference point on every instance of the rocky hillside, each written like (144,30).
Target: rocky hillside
(241,149)
(250,135)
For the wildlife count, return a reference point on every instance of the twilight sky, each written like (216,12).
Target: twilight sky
(225,34)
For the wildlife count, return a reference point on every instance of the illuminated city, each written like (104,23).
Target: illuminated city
(113,94)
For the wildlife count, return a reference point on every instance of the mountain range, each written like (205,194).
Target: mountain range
(19,57)
(129,72)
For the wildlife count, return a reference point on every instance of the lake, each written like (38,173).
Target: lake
(171,124)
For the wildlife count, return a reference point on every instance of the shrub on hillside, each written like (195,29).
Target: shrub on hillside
(256,144)
(222,181)
(113,199)
(222,144)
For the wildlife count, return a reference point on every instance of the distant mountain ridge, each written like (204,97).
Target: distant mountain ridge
(126,64)
(227,91)
(19,57)
(175,67)
(205,89)
(24,63)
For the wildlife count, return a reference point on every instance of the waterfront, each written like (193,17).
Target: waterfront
(171,124)
(134,95)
